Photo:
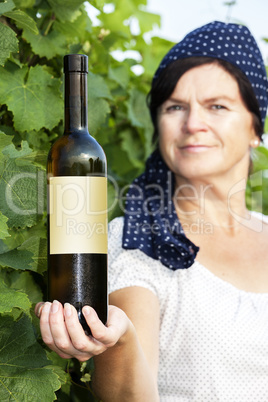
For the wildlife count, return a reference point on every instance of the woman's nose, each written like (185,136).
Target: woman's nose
(195,120)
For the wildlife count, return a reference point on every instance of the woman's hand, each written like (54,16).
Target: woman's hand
(62,332)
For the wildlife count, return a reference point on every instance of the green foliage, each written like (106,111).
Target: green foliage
(25,371)
(257,186)
(8,43)
(35,34)
(23,87)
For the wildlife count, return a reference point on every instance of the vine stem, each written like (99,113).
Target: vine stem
(49,25)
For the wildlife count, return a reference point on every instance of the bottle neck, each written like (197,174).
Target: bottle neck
(75,111)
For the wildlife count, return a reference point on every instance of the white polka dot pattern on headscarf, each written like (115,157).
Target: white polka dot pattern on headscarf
(230,42)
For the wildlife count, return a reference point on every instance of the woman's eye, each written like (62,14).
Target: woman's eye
(218,107)
(174,107)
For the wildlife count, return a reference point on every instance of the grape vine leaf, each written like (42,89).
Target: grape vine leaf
(49,46)
(12,152)
(115,21)
(24,3)
(23,281)
(3,226)
(23,20)
(153,54)
(16,259)
(38,247)
(5,140)
(41,142)
(8,43)
(139,116)
(21,187)
(19,236)
(11,298)
(119,162)
(98,110)
(98,107)
(131,145)
(120,74)
(33,96)
(98,4)
(18,175)
(6,6)
(137,109)
(147,20)
(25,155)
(24,371)
(65,10)
(75,30)
(19,195)
(97,87)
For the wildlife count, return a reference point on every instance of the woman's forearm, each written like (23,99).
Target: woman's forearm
(122,372)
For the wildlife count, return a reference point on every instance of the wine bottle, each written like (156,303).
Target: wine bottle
(77,204)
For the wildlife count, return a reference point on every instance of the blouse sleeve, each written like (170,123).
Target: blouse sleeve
(131,267)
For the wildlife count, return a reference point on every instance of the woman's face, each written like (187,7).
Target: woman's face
(204,127)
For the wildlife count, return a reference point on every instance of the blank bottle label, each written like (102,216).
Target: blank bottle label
(78,214)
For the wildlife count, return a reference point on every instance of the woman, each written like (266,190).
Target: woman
(188,319)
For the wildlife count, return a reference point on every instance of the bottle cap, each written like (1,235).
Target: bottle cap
(75,63)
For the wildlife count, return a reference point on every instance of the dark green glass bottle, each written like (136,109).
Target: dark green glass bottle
(77,204)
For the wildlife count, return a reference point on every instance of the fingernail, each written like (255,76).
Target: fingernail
(55,306)
(86,310)
(67,309)
(40,308)
(46,307)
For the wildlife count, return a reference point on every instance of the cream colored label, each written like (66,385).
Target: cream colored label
(78,214)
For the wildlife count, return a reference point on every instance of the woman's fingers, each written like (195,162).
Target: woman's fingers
(63,333)
(58,328)
(81,342)
(47,327)
(98,329)
(110,333)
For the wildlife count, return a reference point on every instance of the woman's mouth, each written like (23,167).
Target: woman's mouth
(196,148)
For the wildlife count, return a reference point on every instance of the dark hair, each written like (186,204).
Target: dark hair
(164,85)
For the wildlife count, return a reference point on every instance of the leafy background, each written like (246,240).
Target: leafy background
(34,37)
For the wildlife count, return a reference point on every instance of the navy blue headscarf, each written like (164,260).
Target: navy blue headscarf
(151,222)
